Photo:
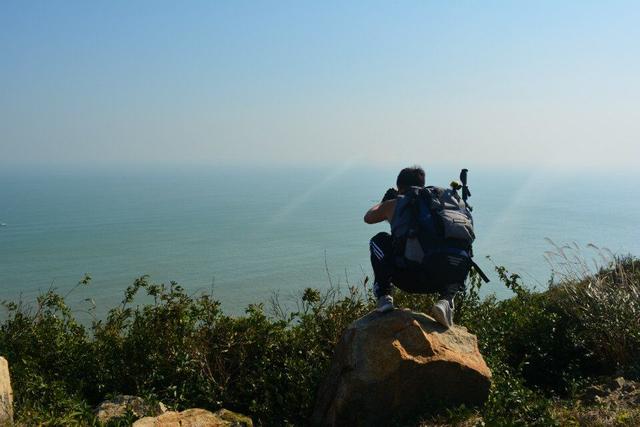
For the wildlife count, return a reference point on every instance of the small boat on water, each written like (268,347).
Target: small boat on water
(3,224)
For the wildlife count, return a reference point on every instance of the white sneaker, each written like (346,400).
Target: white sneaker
(385,303)
(442,311)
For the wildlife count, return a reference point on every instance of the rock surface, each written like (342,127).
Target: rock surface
(119,405)
(606,402)
(614,392)
(6,394)
(390,365)
(196,418)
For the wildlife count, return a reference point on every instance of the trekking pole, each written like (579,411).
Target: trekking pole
(465,195)
(465,190)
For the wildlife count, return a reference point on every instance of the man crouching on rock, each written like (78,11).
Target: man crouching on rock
(384,259)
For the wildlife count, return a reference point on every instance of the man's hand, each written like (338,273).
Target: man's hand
(391,194)
(383,211)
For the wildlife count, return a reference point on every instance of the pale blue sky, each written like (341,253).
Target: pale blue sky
(483,82)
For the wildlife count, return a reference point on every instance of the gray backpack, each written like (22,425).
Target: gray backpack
(432,230)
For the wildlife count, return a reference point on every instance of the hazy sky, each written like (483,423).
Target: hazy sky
(477,82)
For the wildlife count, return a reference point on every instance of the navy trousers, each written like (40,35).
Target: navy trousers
(414,281)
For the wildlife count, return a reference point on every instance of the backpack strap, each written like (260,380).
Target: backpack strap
(411,202)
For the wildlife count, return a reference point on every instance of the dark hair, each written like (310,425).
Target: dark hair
(410,177)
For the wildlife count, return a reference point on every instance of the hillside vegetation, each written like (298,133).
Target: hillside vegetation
(545,349)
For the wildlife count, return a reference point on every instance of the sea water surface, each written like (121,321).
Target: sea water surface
(247,233)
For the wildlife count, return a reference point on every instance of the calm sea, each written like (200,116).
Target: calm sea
(251,232)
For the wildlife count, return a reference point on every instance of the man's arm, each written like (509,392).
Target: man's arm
(380,212)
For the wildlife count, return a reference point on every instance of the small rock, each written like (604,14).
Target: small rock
(121,404)
(196,418)
(6,394)
(236,420)
(629,386)
(592,394)
(616,383)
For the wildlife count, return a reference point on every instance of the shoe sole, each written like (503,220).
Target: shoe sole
(384,308)
(440,316)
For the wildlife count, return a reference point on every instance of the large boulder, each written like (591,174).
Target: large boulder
(388,366)
(6,394)
(196,418)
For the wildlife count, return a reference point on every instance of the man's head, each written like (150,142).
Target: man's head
(413,176)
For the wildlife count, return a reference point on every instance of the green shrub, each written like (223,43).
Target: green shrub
(512,403)
(184,351)
(50,355)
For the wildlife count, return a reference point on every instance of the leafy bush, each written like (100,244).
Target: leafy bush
(50,354)
(512,403)
(184,351)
